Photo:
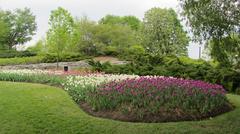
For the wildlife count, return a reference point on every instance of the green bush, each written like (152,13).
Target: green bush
(238,91)
(22,60)
(13,54)
(53,57)
(176,67)
(46,58)
(111,51)
(132,51)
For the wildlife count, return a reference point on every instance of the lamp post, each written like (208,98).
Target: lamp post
(200,52)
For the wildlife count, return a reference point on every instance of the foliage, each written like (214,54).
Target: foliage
(66,57)
(163,34)
(118,37)
(176,67)
(20,60)
(110,51)
(102,39)
(21,26)
(97,66)
(60,32)
(45,58)
(4,31)
(226,51)
(83,36)
(133,22)
(14,53)
(215,21)
(134,50)
(212,19)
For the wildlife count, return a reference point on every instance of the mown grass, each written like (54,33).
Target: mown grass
(35,108)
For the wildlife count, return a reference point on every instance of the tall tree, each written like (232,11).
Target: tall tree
(83,35)
(163,32)
(3,32)
(116,37)
(92,38)
(21,24)
(226,51)
(59,34)
(133,22)
(215,21)
(212,19)
(111,20)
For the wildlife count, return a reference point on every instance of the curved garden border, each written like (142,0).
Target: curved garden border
(226,123)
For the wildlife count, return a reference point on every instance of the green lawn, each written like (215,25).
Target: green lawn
(34,108)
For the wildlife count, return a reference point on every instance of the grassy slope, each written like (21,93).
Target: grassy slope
(20,60)
(34,108)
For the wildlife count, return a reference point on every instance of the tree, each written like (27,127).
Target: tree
(94,39)
(118,38)
(226,51)
(111,20)
(21,26)
(215,21)
(59,34)
(163,33)
(211,19)
(83,35)
(133,22)
(3,34)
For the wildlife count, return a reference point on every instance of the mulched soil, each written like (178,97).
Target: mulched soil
(163,115)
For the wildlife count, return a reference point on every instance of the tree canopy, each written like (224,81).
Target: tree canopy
(20,26)
(212,18)
(218,23)
(163,32)
(130,21)
(60,32)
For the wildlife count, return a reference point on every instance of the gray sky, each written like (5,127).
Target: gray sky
(94,9)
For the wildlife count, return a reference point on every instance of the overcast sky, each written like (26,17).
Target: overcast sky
(94,9)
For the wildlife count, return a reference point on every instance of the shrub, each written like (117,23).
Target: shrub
(110,50)
(13,54)
(46,58)
(65,57)
(22,60)
(238,91)
(174,66)
(132,51)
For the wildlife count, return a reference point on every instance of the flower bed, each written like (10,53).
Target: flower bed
(79,86)
(157,99)
(35,76)
(133,98)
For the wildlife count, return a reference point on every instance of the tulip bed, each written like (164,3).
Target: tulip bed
(34,76)
(133,98)
(157,99)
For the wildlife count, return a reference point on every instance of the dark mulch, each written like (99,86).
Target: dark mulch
(163,116)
